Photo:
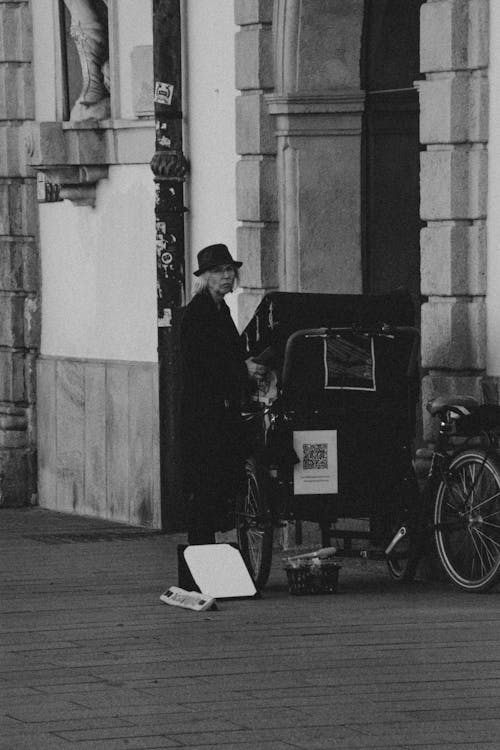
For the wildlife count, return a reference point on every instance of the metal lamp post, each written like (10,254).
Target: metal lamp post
(169,169)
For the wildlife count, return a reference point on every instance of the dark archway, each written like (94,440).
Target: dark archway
(391,160)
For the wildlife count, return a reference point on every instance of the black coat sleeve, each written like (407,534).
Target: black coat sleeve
(213,355)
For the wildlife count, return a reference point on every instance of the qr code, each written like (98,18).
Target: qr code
(315,456)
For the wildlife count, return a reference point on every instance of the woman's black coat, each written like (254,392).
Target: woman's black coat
(214,381)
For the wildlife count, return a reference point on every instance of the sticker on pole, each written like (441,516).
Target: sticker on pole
(163,93)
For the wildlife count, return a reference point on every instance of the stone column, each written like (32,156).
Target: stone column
(454,129)
(256,180)
(493,288)
(19,316)
(317,108)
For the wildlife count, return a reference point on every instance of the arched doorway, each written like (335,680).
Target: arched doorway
(347,124)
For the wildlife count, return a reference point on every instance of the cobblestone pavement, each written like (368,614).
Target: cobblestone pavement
(91,659)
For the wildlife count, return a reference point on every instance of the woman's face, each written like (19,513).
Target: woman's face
(221,280)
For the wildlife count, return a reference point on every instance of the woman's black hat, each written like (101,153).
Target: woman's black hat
(212,256)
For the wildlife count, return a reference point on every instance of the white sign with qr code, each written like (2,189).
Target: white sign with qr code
(316,473)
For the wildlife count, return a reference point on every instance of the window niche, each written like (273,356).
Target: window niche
(73,153)
(84,32)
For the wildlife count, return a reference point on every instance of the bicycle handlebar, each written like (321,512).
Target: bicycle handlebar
(381,330)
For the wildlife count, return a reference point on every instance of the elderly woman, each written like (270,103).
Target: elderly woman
(216,374)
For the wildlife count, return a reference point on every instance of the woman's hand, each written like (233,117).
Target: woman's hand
(255,370)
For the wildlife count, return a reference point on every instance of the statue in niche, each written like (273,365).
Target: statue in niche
(90,32)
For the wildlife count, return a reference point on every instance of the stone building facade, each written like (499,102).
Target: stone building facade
(291,169)
(19,263)
(279,123)
(454,127)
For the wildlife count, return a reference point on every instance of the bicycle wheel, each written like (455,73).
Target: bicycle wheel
(254,525)
(467,521)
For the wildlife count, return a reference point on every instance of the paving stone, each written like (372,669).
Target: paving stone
(90,658)
(146,742)
(38,741)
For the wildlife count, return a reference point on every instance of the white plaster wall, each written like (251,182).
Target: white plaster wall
(493,284)
(209,107)
(99,272)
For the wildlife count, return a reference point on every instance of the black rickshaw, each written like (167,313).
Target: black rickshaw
(332,428)
(332,435)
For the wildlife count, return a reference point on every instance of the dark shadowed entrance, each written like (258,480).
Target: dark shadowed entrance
(391,222)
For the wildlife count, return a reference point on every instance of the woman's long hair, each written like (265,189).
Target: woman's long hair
(201,282)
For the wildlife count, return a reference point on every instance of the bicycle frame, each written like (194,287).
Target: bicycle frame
(444,453)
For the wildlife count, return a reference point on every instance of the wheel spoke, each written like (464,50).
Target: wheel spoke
(462,499)
(489,538)
(486,500)
(479,556)
(254,528)
(488,523)
(457,551)
(483,540)
(469,486)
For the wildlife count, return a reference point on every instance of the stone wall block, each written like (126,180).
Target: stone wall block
(31,267)
(4,209)
(453,259)
(454,108)
(15,32)
(11,156)
(440,197)
(13,438)
(444,109)
(444,35)
(11,375)
(254,58)
(23,218)
(18,376)
(453,183)
(11,265)
(256,189)
(491,389)
(45,143)
(31,322)
(454,334)
(5,375)
(13,428)
(31,412)
(30,360)
(18,265)
(26,264)
(248,12)
(434,385)
(11,319)
(17,479)
(479,108)
(6,319)
(478,186)
(16,92)
(454,35)
(254,125)
(258,244)
(478,49)
(17,216)
(85,146)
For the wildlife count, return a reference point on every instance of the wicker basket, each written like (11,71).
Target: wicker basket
(312,577)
